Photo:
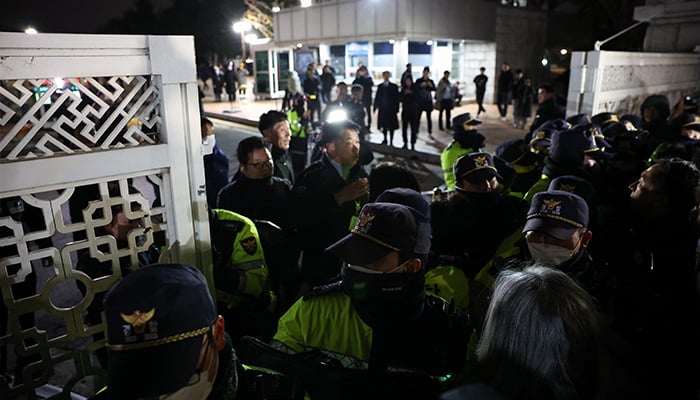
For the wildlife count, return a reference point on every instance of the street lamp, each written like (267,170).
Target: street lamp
(242,27)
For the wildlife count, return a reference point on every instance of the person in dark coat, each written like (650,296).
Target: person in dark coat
(255,192)
(230,80)
(387,102)
(327,83)
(656,298)
(312,90)
(471,222)
(655,111)
(216,163)
(261,196)
(218,82)
(480,83)
(548,108)
(425,87)
(326,198)
(523,103)
(410,111)
(365,79)
(505,88)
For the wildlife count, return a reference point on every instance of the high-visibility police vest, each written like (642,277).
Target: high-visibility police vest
(539,186)
(295,126)
(448,158)
(239,262)
(448,282)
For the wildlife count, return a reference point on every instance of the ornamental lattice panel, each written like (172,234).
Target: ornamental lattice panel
(117,132)
(57,260)
(44,117)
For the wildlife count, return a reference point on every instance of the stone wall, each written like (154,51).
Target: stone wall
(520,37)
(673,25)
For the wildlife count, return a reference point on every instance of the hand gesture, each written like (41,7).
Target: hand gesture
(352,191)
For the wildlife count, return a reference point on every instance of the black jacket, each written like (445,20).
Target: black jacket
(319,221)
(262,199)
(547,111)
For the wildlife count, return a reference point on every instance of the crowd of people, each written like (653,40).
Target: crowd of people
(560,266)
(227,80)
(397,106)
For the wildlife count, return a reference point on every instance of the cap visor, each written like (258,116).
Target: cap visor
(540,143)
(152,371)
(555,228)
(481,175)
(356,250)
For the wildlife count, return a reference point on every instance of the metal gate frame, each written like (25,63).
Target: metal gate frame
(169,62)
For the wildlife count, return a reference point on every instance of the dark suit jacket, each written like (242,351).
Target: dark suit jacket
(387,101)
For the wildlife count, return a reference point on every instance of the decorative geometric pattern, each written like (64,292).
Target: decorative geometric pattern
(43,117)
(60,252)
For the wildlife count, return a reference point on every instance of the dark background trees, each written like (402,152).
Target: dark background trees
(210,21)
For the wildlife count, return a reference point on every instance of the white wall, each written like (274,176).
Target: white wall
(620,81)
(345,20)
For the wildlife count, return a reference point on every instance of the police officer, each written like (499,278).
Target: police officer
(466,139)
(264,198)
(526,164)
(557,234)
(165,338)
(570,153)
(241,276)
(378,316)
(476,217)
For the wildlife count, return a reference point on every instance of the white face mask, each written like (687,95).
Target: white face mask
(208,145)
(549,254)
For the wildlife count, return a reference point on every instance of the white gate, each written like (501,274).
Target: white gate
(620,81)
(82,119)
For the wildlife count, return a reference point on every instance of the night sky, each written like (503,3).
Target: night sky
(64,16)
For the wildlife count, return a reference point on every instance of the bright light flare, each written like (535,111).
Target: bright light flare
(336,115)
(242,26)
(59,83)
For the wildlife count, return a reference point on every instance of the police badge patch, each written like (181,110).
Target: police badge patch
(250,245)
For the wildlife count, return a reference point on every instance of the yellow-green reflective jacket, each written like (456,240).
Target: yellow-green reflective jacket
(540,186)
(447,159)
(448,282)
(295,126)
(305,326)
(247,258)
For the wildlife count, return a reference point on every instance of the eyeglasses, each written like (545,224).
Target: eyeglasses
(260,164)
